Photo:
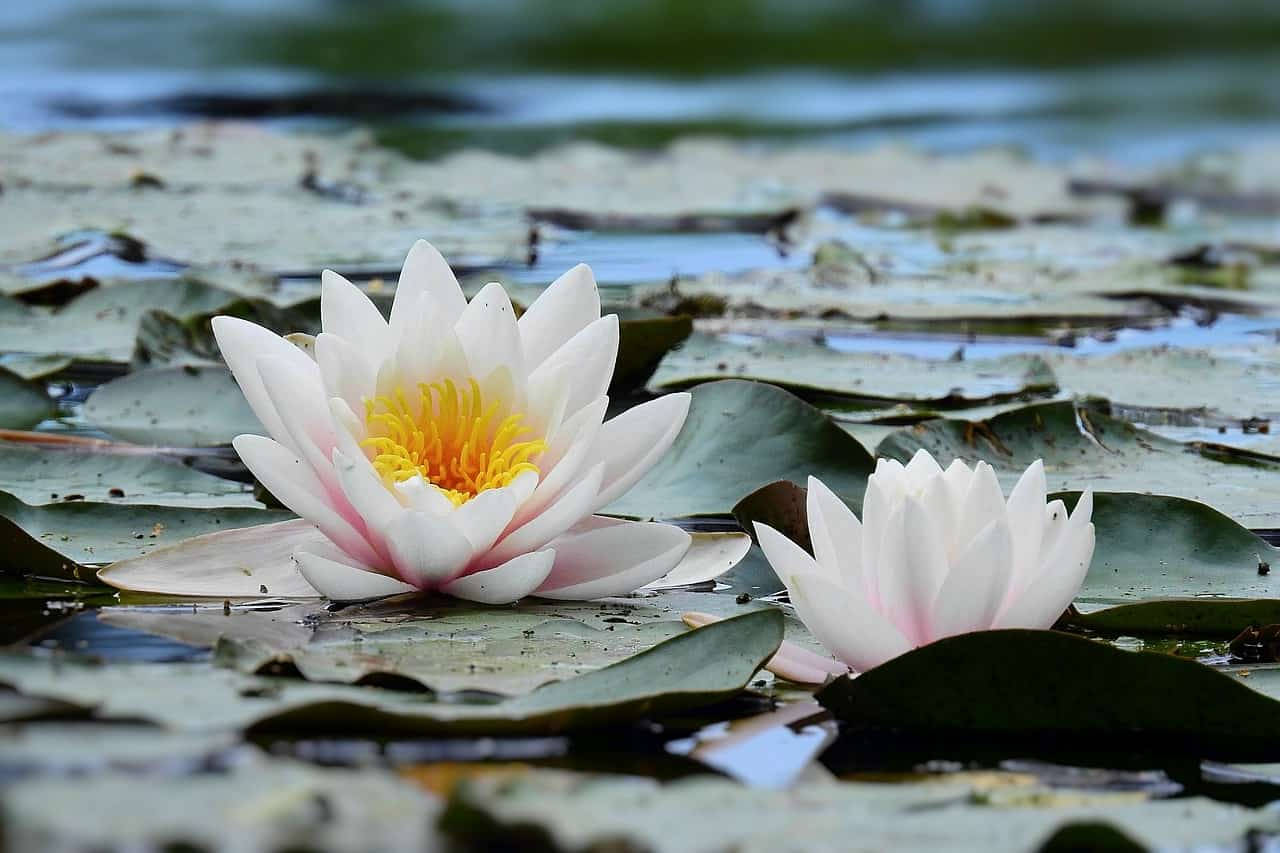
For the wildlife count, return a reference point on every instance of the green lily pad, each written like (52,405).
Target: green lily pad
(255,802)
(65,540)
(813,369)
(961,814)
(23,404)
(1084,447)
(642,344)
(186,406)
(739,436)
(1060,688)
(40,475)
(691,670)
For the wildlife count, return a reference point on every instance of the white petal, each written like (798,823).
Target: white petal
(489,336)
(709,556)
(563,513)
(425,271)
(234,563)
(242,344)
(974,591)
(921,469)
(341,582)
(877,503)
(427,550)
(845,623)
(1040,605)
(345,371)
(295,485)
(591,354)
(1025,508)
(483,518)
(565,458)
(836,534)
(566,307)
(1055,521)
(506,583)
(633,442)
(890,568)
(424,497)
(909,589)
(348,430)
(786,557)
(983,502)
(345,311)
(613,560)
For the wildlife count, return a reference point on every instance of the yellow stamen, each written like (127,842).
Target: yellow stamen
(451,439)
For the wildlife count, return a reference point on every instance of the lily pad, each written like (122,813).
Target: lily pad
(1084,447)
(690,670)
(23,404)
(950,689)
(739,436)
(261,803)
(65,540)
(564,811)
(642,344)
(814,369)
(40,475)
(188,406)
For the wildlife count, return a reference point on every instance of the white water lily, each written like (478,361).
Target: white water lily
(456,448)
(936,553)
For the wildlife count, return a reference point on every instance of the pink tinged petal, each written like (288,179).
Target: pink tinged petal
(347,312)
(909,593)
(786,557)
(504,584)
(590,355)
(1025,509)
(425,271)
(368,495)
(568,450)
(846,624)
(304,409)
(242,344)
(793,662)
(296,486)
(489,335)
(709,557)
(234,563)
(340,581)
(566,307)
(974,592)
(836,534)
(483,518)
(1040,605)
(633,442)
(348,430)
(427,550)
(345,371)
(563,513)
(613,560)
(983,502)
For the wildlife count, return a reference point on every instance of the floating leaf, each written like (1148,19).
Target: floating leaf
(815,369)
(186,406)
(642,343)
(61,540)
(1057,687)
(1083,447)
(38,475)
(23,404)
(739,436)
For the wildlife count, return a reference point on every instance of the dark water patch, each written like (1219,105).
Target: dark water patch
(84,634)
(100,255)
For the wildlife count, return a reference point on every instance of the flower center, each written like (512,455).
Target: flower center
(450,438)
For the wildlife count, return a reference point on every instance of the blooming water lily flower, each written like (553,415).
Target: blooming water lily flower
(936,553)
(455,447)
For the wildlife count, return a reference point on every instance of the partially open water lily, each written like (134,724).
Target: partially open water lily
(456,447)
(936,553)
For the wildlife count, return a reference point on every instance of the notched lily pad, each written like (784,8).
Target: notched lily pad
(1057,688)
(739,436)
